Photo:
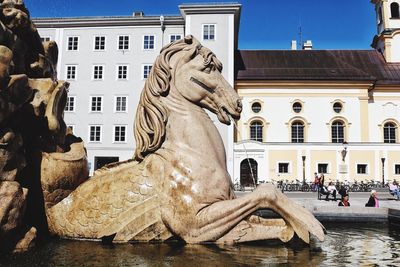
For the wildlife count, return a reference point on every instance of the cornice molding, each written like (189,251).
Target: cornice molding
(244,84)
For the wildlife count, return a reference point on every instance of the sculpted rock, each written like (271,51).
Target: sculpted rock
(63,172)
(12,205)
(178,186)
(33,143)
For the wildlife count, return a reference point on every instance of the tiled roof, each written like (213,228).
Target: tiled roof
(352,65)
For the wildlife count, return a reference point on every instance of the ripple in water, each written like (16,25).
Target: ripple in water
(345,245)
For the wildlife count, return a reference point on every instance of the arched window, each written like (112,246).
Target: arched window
(394,8)
(389,133)
(256,131)
(337,132)
(297,132)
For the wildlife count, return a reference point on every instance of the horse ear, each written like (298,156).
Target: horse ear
(193,50)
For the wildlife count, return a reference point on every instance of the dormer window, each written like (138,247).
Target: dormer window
(395,11)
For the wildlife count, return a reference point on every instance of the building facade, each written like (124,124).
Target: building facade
(107,59)
(332,112)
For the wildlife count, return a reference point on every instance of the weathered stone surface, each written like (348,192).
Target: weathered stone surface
(27,242)
(32,128)
(178,185)
(62,173)
(12,206)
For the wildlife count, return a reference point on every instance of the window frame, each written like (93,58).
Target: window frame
(338,139)
(327,167)
(366,168)
(175,34)
(255,103)
(75,72)
(297,139)
(94,43)
(392,5)
(116,101)
(144,39)
(115,136)
(67,103)
(127,72)
(102,72)
(143,67)
(77,43)
(45,39)
(259,128)
(100,133)
(294,108)
(203,33)
(396,167)
(288,167)
(129,43)
(91,104)
(394,129)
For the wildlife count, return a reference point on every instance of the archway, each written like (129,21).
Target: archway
(246,178)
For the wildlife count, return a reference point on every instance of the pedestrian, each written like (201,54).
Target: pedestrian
(373,200)
(394,189)
(331,191)
(344,201)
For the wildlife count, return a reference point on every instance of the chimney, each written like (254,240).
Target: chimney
(307,45)
(138,14)
(294,45)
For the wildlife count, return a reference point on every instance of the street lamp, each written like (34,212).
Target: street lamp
(383,171)
(304,169)
(344,151)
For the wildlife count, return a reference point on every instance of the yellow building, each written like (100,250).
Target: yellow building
(327,111)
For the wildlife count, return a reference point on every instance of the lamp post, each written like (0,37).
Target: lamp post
(162,19)
(383,171)
(304,169)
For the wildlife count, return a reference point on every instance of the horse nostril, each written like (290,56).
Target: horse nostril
(239,105)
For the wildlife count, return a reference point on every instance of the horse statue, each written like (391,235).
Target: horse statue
(177,186)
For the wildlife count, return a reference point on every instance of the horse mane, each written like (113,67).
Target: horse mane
(152,115)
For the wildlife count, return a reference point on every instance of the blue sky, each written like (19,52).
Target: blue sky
(265,24)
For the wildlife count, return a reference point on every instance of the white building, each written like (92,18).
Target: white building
(107,59)
(300,106)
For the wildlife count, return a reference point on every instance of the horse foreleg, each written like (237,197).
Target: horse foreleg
(256,228)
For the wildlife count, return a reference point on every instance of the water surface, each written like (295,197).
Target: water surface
(345,245)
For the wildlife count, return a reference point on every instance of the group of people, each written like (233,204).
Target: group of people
(331,190)
(394,189)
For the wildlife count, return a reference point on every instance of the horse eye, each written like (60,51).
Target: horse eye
(207,70)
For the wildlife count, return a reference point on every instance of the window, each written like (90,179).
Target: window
(72,43)
(337,107)
(98,72)
(362,168)
(146,71)
(71,72)
(99,43)
(397,169)
(148,42)
(297,132)
(174,37)
(337,132)
(297,107)
(283,167)
(45,39)
(256,107)
(120,103)
(256,131)
(323,168)
(95,133)
(70,105)
(122,72)
(209,32)
(389,133)
(123,42)
(96,104)
(119,133)
(394,8)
